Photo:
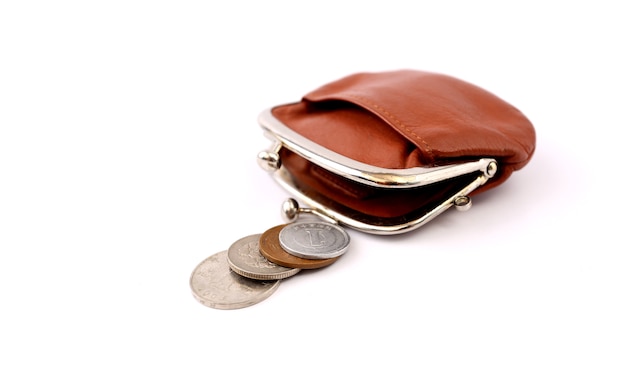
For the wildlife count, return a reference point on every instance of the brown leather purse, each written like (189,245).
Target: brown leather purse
(387,152)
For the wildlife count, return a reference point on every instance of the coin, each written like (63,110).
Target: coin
(269,246)
(314,240)
(215,285)
(245,259)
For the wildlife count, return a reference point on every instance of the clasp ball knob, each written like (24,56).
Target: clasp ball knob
(269,161)
(290,210)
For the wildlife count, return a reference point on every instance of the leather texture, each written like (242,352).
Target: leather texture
(403,119)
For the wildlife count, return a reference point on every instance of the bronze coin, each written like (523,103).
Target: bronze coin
(269,245)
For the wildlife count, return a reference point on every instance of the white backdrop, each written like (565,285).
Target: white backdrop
(128,140)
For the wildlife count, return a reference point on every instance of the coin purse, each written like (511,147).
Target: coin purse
(387,152)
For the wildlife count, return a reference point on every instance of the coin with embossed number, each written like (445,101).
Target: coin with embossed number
(269,246)
(314,240)
(215,285)
(245,259)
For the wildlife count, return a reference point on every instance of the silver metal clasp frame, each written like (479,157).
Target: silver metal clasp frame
(283,136)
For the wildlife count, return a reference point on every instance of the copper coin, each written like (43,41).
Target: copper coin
(269,245)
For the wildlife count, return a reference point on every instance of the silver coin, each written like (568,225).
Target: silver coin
(215,285)
(245,258)
(314,240)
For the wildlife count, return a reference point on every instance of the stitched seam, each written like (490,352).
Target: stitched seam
(398,122)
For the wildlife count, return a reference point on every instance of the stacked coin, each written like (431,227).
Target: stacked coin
(253,266)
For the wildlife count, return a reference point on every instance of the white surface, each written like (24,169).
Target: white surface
(128,139)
